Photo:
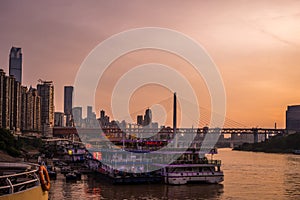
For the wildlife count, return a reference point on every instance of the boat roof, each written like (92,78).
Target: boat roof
(14,165)
(184,165)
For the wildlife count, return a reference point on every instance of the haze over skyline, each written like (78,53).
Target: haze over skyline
(255,45)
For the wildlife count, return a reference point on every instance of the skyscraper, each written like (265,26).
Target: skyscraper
(77,116)
(15,63)
(147,117)
(58,119)
(10,99)
(2,92)
(30,110)
(68,104)
(293,118)
(46,92)
(139,120)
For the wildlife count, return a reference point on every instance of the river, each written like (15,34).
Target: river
(248,175)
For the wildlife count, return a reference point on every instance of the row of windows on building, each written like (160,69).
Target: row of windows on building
(25,109)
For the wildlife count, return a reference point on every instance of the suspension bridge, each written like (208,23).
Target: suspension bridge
(233,132)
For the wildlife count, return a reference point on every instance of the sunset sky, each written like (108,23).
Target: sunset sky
(255,44)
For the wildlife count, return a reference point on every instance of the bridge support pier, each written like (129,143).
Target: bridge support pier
(255,135)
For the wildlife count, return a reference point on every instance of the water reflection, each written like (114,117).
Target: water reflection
(248,175)
(101,188)
(292,176)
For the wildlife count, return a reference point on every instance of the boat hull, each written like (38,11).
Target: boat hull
(185,179)
(130,179)
(29,194)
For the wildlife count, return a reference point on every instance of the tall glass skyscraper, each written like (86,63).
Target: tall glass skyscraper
(68,104)
(15,63)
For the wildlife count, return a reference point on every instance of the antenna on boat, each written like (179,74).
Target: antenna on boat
(175,118)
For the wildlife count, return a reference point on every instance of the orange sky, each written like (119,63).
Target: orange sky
(255,45)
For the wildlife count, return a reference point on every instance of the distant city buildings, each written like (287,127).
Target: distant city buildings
(104,119)
(46,92)
(10,102)
(146,121)
(24,109)
(293,118)
(68,104)
(20,107)
(59,119)
(30,110)
(77,116)
(147,117)
(15,63)
(90,121)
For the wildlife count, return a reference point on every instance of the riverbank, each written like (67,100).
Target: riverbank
(16,147)
(277,144)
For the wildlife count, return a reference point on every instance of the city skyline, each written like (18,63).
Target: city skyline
(254,44)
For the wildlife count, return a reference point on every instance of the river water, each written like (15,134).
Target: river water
(247,175)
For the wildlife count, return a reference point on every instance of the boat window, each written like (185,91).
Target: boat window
(196,169)
(206,169)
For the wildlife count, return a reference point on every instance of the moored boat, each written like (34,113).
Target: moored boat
(71,176)
(190,168)
(120,167)
(52,172)
(297,151)
(21,181)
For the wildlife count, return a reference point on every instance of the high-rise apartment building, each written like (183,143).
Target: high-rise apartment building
(68,104)
(58,119)
(16,103)
(2,79)
(46,92)
(20,108)
(30,110)
(10,99)
(77,116)
(15,63)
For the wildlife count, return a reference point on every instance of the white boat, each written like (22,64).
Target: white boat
(189,168)
(21,181)
(189,173)
(297,151)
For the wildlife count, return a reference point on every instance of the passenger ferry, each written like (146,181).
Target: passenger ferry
(22,181)
(189,168)
(133,166)
(121,167)
(158,158)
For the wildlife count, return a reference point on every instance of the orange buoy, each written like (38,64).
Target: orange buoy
(44,178)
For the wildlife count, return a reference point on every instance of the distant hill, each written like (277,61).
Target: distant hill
(277,144)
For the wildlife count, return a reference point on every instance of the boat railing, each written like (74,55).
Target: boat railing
(17,182)
(214,162)
(210,162)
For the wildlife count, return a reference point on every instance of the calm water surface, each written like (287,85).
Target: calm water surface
(248,175)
